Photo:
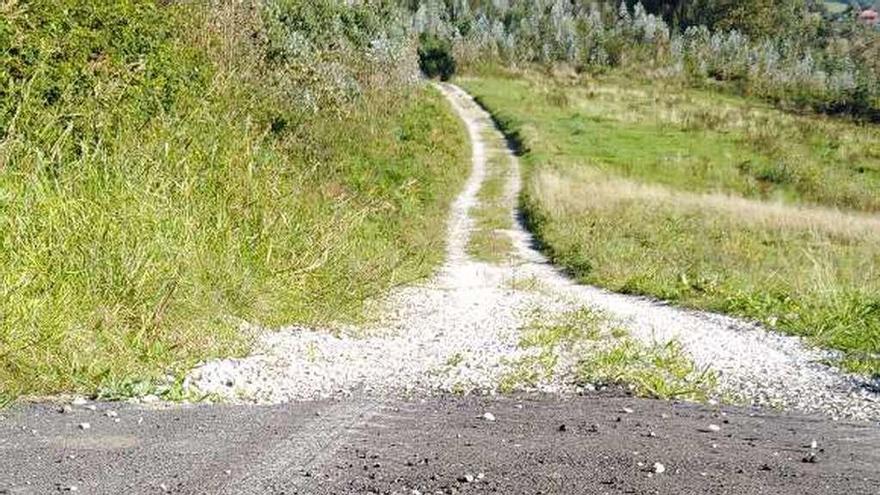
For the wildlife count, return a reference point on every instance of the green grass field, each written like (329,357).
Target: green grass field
(704,200)
(146,211)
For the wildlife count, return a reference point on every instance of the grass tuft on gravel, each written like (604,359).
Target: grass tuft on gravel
(708,201)
(604,354)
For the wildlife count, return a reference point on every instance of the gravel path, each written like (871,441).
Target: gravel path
(459,332)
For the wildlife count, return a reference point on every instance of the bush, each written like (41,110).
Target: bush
(435,57)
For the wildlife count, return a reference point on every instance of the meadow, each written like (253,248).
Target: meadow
(705,200)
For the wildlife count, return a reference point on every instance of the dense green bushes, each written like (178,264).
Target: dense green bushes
(170,170)
(780,51)
(435,57)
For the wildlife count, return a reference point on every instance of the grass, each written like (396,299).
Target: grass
(605,354)
(529,283)
(689,140)
(836,7)
(707,201)
(488,241)
(136,238)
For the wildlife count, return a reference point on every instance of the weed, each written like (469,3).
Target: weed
(604,354)
(526,284)
(661,371)
(565,330)
(455,359)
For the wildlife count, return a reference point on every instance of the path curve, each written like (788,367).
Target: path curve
(460,331)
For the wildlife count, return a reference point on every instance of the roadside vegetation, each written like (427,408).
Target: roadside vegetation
(603,354)
(792,53)
(704,200)
(172,170)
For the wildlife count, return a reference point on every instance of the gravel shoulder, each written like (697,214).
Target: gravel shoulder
(603,443)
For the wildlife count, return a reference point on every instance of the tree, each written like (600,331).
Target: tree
(756,18)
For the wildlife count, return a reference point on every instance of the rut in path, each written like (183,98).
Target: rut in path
(460,331)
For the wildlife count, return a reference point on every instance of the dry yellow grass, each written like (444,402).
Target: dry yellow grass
(580,190)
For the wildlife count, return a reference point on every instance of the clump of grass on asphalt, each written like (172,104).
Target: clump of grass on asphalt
(488,241)
(169,170)
(604,354)
(707,201)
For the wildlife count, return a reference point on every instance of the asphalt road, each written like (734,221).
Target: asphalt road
(537,444)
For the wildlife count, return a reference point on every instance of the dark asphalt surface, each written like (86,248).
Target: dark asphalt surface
(536,445)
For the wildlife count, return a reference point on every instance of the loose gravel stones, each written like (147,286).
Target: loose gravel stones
(460,331)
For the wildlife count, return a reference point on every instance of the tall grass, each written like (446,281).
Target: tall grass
(625,195)
(144,218)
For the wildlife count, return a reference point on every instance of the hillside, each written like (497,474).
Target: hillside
(172,171)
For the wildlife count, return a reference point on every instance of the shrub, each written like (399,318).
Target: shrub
(435,57)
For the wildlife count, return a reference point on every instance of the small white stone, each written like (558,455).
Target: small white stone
(84,426)
(814,445)
(111,414)
(92,407)
(489,416)
(659,468)
(713,428)
(627,410)
(79,401)
(163,487)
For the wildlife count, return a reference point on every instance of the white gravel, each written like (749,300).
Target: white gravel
(459,331)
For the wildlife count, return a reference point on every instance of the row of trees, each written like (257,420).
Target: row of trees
(785,50)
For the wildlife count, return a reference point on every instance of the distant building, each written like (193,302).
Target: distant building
(870,17)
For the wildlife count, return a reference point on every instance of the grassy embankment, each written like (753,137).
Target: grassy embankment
(170,170)
(705,200)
